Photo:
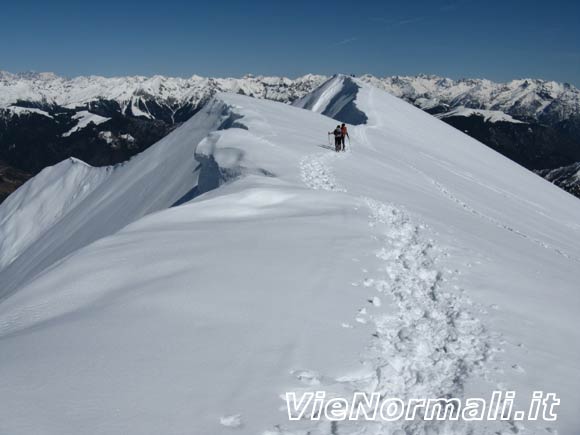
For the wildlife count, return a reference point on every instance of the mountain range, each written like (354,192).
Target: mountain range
(45,118)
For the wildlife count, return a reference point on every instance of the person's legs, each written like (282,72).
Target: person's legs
(342,139)
(337,143)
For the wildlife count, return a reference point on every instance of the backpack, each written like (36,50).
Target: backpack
(337,132)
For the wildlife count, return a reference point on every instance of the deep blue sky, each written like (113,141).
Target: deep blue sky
(495,39)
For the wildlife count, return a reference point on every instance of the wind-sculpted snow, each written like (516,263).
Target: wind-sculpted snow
(240,258)
(42,202)
(336,99)
(52,219)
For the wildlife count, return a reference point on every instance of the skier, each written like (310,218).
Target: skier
(337,132)
(343,135)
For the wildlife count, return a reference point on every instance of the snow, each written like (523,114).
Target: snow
(492,116)
(16,110)
(107,136)
(335,99)
(287,267)
(319,100)
(231,420)
(136,111)
(85,118)
(127,137)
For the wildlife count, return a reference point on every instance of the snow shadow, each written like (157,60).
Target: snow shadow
(342,106)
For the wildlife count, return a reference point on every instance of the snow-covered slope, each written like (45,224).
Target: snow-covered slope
(84,118)
(153,180)
(418,264)
(38,205)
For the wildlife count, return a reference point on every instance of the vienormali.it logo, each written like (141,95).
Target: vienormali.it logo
(373,407)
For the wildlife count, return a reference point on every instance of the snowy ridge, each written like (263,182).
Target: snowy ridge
(240,258)
(336,99)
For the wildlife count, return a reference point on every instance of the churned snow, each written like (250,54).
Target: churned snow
(420,263)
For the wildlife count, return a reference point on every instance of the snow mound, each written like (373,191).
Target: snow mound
(420,263)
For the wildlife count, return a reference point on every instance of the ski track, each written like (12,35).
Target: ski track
(429,347)
(444,191)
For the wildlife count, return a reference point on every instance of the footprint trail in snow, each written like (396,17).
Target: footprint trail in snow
(429,346)
(316,173)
